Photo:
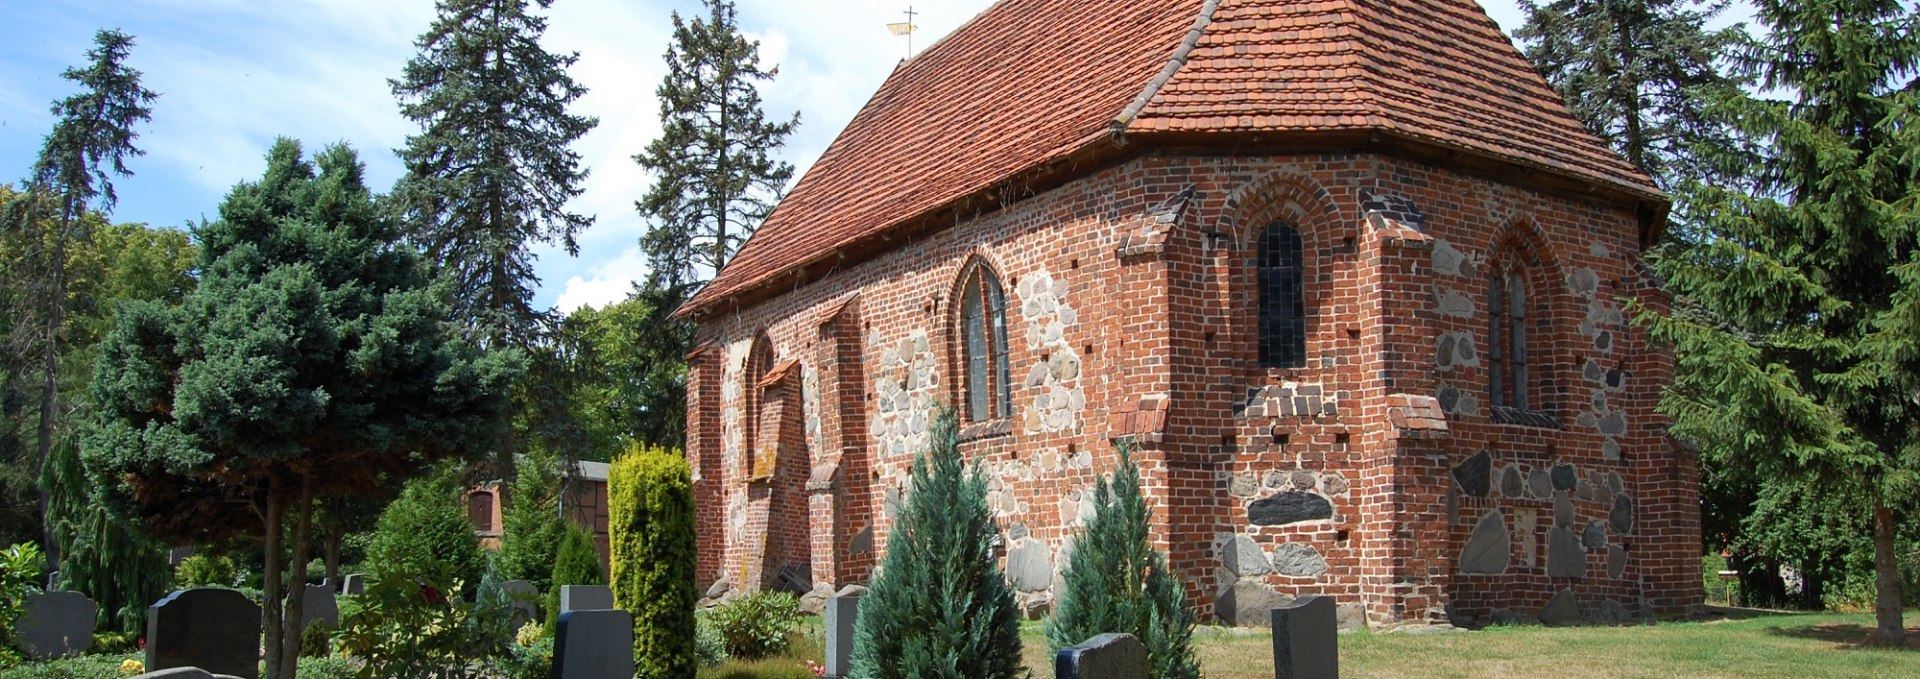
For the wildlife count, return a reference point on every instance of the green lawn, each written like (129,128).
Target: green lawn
(1759,646)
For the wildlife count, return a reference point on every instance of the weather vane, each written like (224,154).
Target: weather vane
(906,28)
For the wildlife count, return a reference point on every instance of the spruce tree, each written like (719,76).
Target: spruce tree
(714,175)
(490,172)
(940,607)
(1639,73)
(1805,359)
(93,137)
(531,525)
(1115,581)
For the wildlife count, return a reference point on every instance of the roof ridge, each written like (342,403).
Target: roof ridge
(1174,64)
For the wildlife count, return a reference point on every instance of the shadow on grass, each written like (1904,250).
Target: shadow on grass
(1844,635)
(1713,612)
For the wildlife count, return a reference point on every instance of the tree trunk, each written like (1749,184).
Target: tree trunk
(297,582)
(271,595)
(1890,630)
(334,532)
(56,303)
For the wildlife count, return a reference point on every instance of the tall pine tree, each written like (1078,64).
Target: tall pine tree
(490,173)
(1117,582)
(715,177)
(1804,363)
(1638,73)
(940,607)
(93,137)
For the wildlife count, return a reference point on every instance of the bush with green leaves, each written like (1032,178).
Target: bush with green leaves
(650,518)
(96,666)
(20,567)
(709,647)
(578,563)
(406,625)
(755,626)
(940,607)
(424,531)
(205,570)
(1115,581)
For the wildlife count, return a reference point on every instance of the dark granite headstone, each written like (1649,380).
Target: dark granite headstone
(593,644)
(1475,475)
(585,598)
(181,673)
(841,613)
(214,629)
(1306,640)
(354,583)
(55,625)
(1289,507)
(1105,656)
(525,599)
(320,607)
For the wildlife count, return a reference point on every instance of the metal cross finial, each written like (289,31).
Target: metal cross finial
(906,28)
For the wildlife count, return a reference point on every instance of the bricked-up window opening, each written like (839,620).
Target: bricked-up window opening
(759,361)
(1283,317)
(983,343)
(480,511)
(1507,341)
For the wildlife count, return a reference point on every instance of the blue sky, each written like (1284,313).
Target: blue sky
(235,74)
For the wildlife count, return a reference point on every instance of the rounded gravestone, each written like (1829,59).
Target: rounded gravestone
(214,629)
(54,625)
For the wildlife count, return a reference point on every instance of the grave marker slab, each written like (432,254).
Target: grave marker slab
(1306,640)
(55,625)
(842,611)
(593,644)
(354,583)
(525,599)
(320,607)
(586,598)
(214,629)
(1105,656)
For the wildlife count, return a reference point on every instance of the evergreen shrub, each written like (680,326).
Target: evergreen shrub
(532,525)
(425,531)
(576,563)
(940,607)
(1115,581)
(758,625)
(650,510)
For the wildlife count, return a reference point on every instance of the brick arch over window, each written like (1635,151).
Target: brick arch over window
(1521,299)
(980,343)
(759,362)
(1280,223)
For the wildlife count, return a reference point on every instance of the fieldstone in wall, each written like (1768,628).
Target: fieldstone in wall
(1565,557)
(1540,484)
(1613,613)
(1564,476)
(1616,561)
(1333,484)
(1489,547)
(1594,538)
(1474,474)
(1053,381)
(1030,566)
(1244,557)
(1563,514)
(1274,480)
(1526,522)
(1447,259)
(1248,604)
(1455,349)
(1620,519)
(1290,507)
(1454,303)
(1561,610)
(1583,282)
(1513,484)
(1242,485)
(861,542)
(1298,560)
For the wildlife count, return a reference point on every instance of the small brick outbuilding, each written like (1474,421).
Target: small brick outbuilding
(1347,272)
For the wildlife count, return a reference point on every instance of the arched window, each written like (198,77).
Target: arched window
(983,345)
(1507,342)
(1283,312)
(759,361)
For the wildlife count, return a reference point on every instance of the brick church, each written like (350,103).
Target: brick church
(1347,272)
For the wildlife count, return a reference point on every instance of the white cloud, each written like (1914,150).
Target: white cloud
(607,282)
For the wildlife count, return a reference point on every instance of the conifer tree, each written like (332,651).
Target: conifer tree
(940,607)
(1805,362)
(532,525)
(1115,581)
(1639,74)
(490,172)
(93,137)
(714,175)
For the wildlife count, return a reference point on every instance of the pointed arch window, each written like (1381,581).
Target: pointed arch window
(1283,318)
(1507,351)
(983,345)
(759,361)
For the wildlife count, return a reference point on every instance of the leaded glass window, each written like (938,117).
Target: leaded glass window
(983,344)
(1283,313)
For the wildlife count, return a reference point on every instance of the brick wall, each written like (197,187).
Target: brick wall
(1363,473)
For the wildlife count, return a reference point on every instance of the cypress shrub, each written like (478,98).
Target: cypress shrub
(576,563)
(425,533)
(531,525)
(940,606)
(1115,581)
(650,518)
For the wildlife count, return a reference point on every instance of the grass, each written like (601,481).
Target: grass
(1749,645)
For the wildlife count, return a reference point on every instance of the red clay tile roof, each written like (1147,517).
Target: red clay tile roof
(1028,83)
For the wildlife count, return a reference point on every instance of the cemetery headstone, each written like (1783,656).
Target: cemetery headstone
(525,598)
(55,625)
(585,598)
(1105,656)
(214,629)
(354,583)
(320,606)
(593,644)
(181,673)
(1306,640)
(842,610)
